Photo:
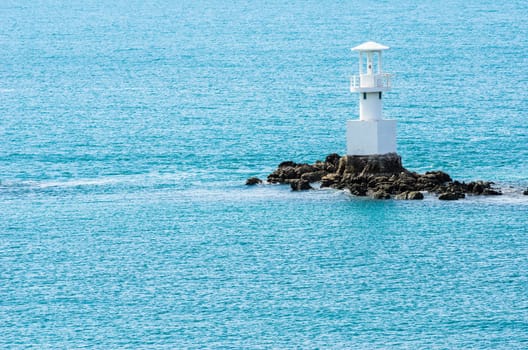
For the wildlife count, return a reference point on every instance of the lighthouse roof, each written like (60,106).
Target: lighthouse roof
(370,46)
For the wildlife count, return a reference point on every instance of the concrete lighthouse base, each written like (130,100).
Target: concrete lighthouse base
(369,137)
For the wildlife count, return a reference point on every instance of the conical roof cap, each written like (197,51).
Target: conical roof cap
(370,46)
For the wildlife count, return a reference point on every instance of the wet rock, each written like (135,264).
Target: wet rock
(253,181)
(314,176)
(287,164)
(448,196)
(400,188)
(330,180)
(380,195)
(526,192)
(304,169)
(491,192)
(438,176)
(451,196)
(374,181)
(319,165)
(475,187)
(283,173)
(300,185)
(358,189)
(415,195)
(386,187)
(289,171)
(482,188)
(333,159)
(331,162)
(381,176)
(453,187)
(304,185)
(410,195)
(401,196)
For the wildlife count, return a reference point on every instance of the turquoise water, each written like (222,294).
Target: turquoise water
(128,129)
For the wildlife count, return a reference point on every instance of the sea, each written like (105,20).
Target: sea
(128,129)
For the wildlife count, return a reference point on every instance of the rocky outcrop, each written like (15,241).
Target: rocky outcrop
(526,192)
(377,176)
(253,181)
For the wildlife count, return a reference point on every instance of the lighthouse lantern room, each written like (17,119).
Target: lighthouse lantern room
(371,134)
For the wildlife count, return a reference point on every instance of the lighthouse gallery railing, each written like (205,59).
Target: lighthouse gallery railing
(382,80)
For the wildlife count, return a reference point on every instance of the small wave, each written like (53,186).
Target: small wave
(145,179)
(151,178)
(480,138)
(77,182)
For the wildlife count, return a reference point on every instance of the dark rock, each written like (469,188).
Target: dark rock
(407,179)
(402,195)
(450,196)
(399,187)
(455,187)
(331,162)
(439,176)
(410,195)
(330,168)
(358,189)
(253,181)
(288,172)
(287,163)
(319,165)
(491,192)
(300,185)
(330,180)
(301,169)
(374,181)
(380,195)
(333,159)
(386,187)
(415,195)
(282,174)
(477,187)
(381,176)
(526,192)
(482,188)
(304,185)
(313,176)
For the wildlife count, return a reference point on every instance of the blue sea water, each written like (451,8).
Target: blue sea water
(128,128)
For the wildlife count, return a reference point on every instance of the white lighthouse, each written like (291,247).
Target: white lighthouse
(371,134)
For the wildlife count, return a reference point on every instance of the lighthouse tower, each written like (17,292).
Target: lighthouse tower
(371,134)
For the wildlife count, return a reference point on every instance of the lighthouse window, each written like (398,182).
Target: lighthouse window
(364,95)
(380,95)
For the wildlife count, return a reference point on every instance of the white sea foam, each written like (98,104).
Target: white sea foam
(78,182)
(133,179)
